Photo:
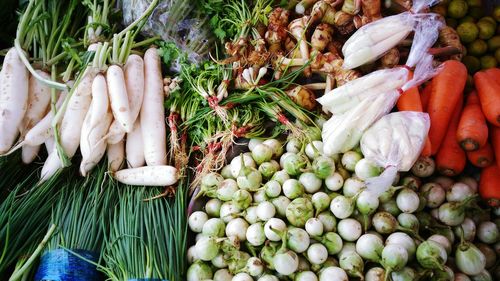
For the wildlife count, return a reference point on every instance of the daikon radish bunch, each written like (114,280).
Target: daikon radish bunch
(394,142)
(373,40)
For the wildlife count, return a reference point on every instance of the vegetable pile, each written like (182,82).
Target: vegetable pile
(315,140)
(297,214)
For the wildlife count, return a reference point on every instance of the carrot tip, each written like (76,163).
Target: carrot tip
(469,145)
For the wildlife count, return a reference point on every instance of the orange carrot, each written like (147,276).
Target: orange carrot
(447,88)
(410,101)
(488,90)
(472,132)
(489,185)
(450,159)
(494,73)
(425,96)
(483,157)
(495,142)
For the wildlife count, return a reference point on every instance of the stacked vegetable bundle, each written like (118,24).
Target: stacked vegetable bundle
(93,112)
(301,215)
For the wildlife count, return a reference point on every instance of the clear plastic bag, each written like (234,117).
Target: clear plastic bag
(394,142)
(373,40)
(174,21)
(343,132)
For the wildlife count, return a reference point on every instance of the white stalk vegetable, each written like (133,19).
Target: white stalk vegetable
(153,112)
(116,156)
(92,144)
(134,80)
(118,96)
(148,176)
(14,79)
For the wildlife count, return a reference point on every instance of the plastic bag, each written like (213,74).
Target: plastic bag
(174,21)
(345,97)
(343,132)
(373,40)
(394,142)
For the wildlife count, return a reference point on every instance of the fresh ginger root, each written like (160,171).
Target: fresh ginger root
(371,11)
(448,37)
(322,36)
(390,59)
(276,30)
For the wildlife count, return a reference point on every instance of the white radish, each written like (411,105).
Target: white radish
(118,96)
(100,100)
(134,147)
(134,80)
(13,98)
(92,143)
(38,101)
(84,88)
(70,132)
(116,133)
(42,131)
(152,111)
(29,153)
(116,156)
(50,144)
(148,176)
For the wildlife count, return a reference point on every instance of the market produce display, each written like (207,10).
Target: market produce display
(251,140)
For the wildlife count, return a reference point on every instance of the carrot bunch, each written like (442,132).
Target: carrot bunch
(462,129)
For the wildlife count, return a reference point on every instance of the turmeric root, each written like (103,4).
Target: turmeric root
(303,97)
